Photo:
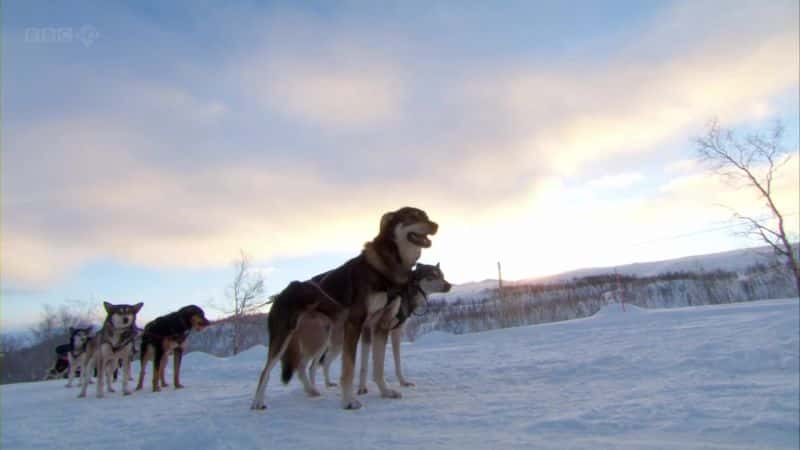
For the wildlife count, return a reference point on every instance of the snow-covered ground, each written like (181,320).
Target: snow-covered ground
(702,377)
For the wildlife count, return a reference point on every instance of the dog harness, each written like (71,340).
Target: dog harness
(80,350)
(319,288)
(127,338)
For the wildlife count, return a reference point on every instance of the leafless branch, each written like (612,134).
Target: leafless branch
(245,296)
(741,161)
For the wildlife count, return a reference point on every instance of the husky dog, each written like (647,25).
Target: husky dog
(114,342)
(426,280)
(78,356)
(352,292)
(320,339)
(165,335)
(60,365)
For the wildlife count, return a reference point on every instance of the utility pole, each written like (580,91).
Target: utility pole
(499,279)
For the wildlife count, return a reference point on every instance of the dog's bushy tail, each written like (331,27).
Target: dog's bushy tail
(282,322)
(290,360)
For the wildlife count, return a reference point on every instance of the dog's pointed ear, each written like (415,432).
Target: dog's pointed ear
(437,266)
(385,219)
(107,306)
(137,307)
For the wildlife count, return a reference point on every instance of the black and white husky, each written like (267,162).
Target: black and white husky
(425,279)
(114,342)
(79,339)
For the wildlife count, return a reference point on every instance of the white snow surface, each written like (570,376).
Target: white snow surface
(702,377)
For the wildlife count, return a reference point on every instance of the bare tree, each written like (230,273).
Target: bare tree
(245,295)
(752,162)
(47,327)
(57,321)
(11,343)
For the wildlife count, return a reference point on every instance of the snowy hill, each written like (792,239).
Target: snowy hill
(700,377)
(732,261)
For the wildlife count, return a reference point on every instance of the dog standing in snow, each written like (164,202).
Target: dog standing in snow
(114,342)
(78,356)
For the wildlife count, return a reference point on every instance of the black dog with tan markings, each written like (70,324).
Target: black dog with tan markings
(165,335)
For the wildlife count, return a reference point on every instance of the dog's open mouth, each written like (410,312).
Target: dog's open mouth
(419,239)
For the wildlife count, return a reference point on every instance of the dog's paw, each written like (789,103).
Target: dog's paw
(362,390)
(405,383)
(258,406)
(331,385)
(139,388)
(82,395)
(179,386)
(351,404)
(312,393)
(127,392)
(110,389)
(391,393)
(156,389)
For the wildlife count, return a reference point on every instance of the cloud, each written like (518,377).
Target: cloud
(311,132)
(341,98)
(617,181)
(682,166)
(308,71)
(568,115)
(701,196)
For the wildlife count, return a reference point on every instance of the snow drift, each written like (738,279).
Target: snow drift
(700,377)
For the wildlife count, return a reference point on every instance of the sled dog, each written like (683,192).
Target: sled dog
(164,335)
(351,293)
(114,342)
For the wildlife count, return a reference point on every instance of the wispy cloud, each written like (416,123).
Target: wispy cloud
(617,181)
(310,131)
(326,96)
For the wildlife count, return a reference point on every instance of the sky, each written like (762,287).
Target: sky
(144,144)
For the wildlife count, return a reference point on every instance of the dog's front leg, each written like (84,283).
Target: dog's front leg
(352,331)
(111,374)
(100,367)
(378,354)
(85,377)
(397,338)
(366,343)
(164,369)
(126,376)
(158,372)
(72,366)
(176,367)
